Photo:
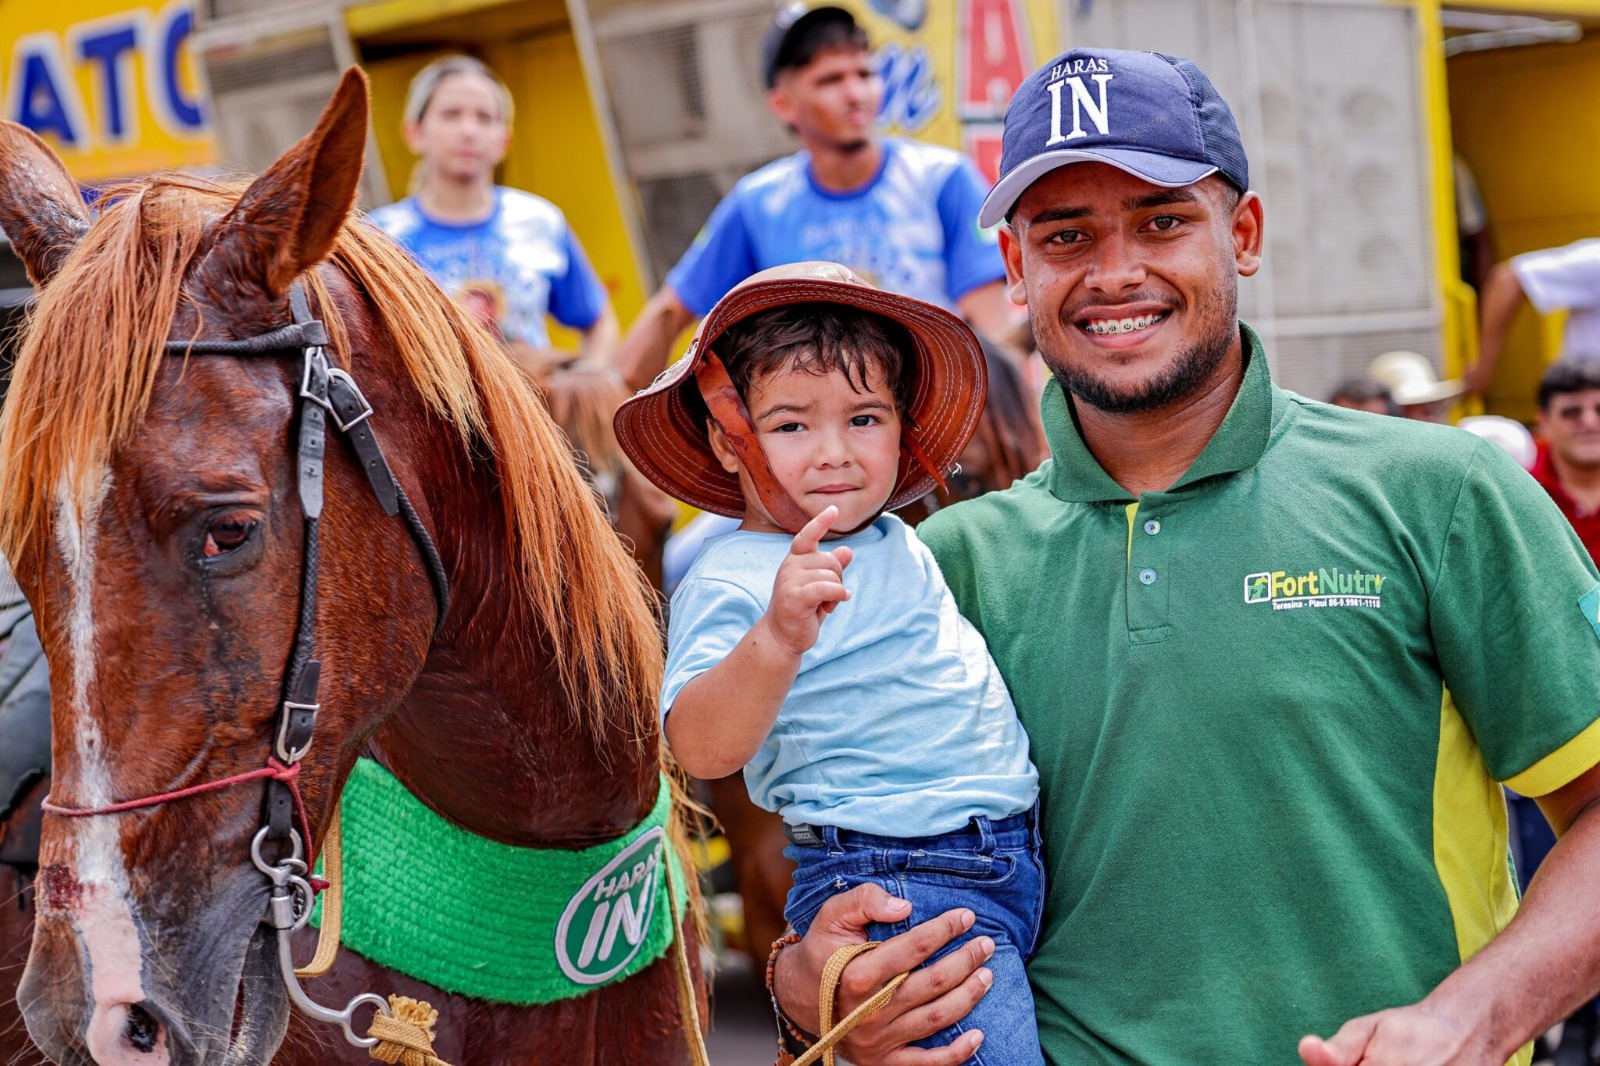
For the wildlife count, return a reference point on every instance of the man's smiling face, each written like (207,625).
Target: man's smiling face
(1131,287)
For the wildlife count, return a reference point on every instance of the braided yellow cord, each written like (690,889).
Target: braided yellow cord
(832,1034)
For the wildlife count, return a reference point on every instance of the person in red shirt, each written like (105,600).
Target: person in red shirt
(1568,465)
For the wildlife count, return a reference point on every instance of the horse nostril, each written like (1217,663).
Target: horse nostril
(141,1029)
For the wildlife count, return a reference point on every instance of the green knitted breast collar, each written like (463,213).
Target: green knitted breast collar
(501,923)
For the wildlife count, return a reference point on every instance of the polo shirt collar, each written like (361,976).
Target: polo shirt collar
(1238,444)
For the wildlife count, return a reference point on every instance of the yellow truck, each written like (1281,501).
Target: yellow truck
(635,116)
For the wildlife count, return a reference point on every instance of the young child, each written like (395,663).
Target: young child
(863,708)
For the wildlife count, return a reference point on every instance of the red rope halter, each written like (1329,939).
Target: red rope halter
(275,769)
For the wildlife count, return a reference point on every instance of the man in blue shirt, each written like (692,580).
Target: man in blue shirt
(896,211)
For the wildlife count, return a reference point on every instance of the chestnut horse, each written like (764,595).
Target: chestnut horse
(158,520)
(24,780)
(582,398)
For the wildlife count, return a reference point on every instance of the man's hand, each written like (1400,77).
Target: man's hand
(1478,377)
(931,999)
(1405,1036)
(809,585)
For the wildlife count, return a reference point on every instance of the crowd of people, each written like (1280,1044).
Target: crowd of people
(1190,743)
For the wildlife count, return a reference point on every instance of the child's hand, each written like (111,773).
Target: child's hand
(809,585)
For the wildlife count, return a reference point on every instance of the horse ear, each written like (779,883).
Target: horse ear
(289,217)
(41,209)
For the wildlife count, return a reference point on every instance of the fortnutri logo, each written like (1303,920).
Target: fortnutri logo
(1323,587)
(607,919)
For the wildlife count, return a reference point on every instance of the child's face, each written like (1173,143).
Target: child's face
(827,444)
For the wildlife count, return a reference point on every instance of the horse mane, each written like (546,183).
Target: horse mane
(582,397)
(88,365)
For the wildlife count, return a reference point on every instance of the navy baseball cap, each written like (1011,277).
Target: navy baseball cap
(1155,116)
(790,30)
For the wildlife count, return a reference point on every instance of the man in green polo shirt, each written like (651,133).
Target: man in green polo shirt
(1275,658)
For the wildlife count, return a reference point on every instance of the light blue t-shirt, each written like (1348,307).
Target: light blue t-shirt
(525,249)
(912,229)
(898,724)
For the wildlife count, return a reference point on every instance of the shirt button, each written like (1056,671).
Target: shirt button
(1152,527)
(1147,576)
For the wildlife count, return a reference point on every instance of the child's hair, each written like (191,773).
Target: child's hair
(821,338)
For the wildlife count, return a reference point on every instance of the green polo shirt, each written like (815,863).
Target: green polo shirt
(1270,707)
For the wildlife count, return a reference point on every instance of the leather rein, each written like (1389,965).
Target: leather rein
(325,391)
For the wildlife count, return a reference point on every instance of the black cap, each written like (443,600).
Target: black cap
(781,48)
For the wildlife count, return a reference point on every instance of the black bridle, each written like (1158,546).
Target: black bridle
(325,390)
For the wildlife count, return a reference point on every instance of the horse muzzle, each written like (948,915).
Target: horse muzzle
(104,987)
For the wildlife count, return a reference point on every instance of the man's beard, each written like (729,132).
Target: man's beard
(1185,377)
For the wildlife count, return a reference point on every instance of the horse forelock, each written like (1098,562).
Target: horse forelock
(91,349)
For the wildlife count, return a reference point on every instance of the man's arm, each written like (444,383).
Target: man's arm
(930,1000)
(991,314)
(599,341)
(643,353)
(1536,972)
(1498,302)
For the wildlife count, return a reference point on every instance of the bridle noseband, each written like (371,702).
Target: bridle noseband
(325,391)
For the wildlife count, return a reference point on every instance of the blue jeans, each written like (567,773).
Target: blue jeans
(992,868)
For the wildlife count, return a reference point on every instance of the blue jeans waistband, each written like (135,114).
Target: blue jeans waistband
(980,828)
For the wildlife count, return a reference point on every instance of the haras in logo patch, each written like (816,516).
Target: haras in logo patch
(1073,77)
(606,921)
(1332,586)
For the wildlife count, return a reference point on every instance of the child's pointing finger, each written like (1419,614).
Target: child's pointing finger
(811,534)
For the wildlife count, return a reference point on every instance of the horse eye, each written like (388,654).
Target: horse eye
(228,534)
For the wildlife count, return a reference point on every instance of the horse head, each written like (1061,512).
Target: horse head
(157,513)
(154,535)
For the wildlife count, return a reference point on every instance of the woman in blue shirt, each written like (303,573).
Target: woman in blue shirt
(507,254)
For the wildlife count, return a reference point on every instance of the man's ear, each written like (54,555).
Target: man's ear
(1248,234)
(1011,253)
(780,102)
(720,446)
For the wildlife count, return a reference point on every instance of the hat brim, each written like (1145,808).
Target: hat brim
(1420,393)
(1156,169)
(666,438)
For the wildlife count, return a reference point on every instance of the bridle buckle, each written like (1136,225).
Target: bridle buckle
(286,720)
(354,397)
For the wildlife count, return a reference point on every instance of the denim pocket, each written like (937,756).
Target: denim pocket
(820,864)
(819,875)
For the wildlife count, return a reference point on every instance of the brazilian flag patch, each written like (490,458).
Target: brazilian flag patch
(1590,606)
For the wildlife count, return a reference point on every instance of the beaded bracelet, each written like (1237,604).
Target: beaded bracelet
(787,1030)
